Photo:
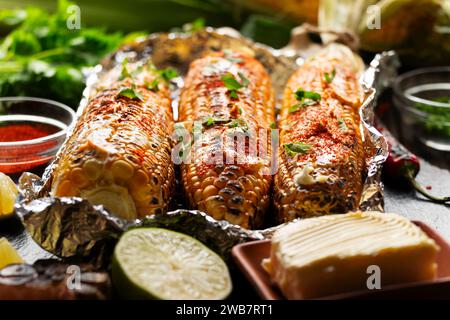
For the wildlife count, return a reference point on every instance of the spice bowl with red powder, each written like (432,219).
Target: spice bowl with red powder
(31,132)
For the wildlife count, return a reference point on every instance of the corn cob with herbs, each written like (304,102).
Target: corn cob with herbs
(321,156)
(228,94)
(119,154)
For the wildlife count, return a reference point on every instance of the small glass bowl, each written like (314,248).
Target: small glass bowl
(20,156)
(423,99)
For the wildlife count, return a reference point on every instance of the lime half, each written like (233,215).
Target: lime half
(154,263)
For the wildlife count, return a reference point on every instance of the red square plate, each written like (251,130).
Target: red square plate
(248,257)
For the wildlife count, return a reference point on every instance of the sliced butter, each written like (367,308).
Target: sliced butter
(327,255)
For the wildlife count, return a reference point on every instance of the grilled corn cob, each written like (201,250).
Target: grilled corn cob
(321,158)
(228,93)
(119,154)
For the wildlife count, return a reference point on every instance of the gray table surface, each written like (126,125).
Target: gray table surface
(414,206)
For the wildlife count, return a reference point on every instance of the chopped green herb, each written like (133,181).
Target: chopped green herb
(153,86)
(233,94)
(209,121)
(230,82)
(129,93)
(235,123)
(240,110)
(294,107)
(194,26)
(273,125)
(437,118)
(301,94)
(329,78)
(294,148)
(342,124)
(124,73)
(244,81)
(233,85)
(168,73)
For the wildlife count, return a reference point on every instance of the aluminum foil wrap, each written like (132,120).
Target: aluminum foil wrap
(71,228)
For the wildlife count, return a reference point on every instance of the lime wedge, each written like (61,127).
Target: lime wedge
(154,263)
(8,194)
(8,255)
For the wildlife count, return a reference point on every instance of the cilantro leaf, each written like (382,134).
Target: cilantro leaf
(238,123)
(194,26)
(124,73)
(230,82)
(233,85)
(294,148)
(153,86)
(168,73)
(209,121)
(130,93)
(342,124)
(329,78)
(303,94)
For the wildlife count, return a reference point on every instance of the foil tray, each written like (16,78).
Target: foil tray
(73,229)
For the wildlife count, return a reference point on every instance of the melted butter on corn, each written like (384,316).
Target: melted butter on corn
(330,254)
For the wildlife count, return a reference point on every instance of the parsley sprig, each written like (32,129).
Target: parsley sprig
(342,124)
(166,75)
(233,85)
(130,93)
(305,98)
(295,148)
(329,77)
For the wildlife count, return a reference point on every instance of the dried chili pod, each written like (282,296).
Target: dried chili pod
(402,164)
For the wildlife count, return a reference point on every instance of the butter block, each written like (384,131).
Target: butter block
(322,256)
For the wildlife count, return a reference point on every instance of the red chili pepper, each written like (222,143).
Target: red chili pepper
(402,164)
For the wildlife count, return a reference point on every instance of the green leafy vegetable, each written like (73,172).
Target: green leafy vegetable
(125,73)
(438,118)
(194,26)
(209,121)
(305,98)
(153,86)
(294,148)
(342,124)
(329,78)
(129,93)
(238,123)
(301,94)
(168,73)
(233,85)
(42,57)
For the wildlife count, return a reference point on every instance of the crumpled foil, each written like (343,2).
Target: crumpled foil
(71,228)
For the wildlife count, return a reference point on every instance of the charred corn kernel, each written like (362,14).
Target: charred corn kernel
(8,195)
(321,161)
(119,154)
(221,187)
(8,255)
